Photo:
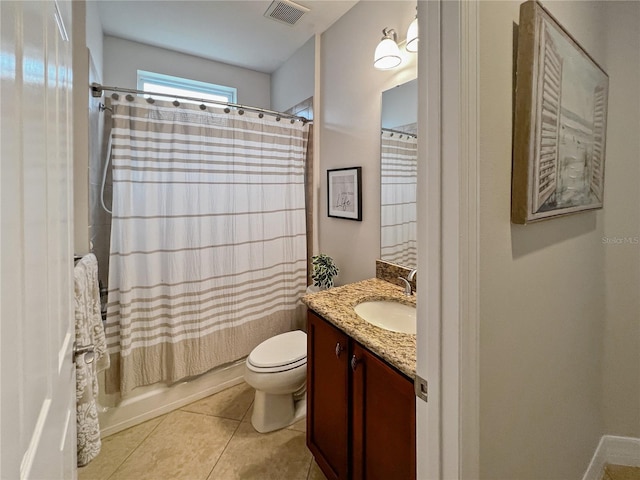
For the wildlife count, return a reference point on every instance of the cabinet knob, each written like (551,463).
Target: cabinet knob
(339,349)
(354,363)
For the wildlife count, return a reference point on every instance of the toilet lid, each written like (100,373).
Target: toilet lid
(285,349)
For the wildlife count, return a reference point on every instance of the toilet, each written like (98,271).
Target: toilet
(277,369)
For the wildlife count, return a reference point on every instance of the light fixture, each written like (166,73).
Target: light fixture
(387,53)
(412,36)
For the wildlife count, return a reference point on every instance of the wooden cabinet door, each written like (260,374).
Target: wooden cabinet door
(383,421)
(328,397)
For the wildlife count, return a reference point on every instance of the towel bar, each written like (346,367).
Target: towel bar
(86,350)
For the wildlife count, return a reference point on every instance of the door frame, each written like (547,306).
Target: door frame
(448,232)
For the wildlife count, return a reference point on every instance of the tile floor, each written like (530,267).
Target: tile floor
(211,439)
(619,472)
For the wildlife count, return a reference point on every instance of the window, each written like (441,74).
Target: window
(160,83)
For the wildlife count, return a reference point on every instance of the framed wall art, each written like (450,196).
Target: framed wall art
(344,195)
(560,122)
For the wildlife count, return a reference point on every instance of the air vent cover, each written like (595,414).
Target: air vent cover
(285,11)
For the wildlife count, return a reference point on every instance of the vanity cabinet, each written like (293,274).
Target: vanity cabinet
(328,397)
(360,412)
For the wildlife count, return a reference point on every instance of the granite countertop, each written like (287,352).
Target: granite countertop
(336,306)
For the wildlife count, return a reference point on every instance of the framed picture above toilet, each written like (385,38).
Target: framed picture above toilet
(344,193)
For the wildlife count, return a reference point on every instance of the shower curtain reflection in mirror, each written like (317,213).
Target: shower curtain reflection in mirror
(208,238)
(398,174)
(398,178)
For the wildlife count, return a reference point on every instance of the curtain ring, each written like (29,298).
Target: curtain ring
(261,115)
(150,100)
(227,109)
(115,96)
(203,106)
(129,97)
(240,112)
(176,103)
(277,119)
(293,120)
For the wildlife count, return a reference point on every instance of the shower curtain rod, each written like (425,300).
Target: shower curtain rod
(97,90)
(400,132)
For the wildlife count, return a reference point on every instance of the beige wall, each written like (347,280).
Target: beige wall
(542,287)
(621,387)
(81,244)
(294,81)
(94,35)
(87,68)
(123,58)
(350,122)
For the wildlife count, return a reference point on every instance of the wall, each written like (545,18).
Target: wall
(122,59)
(542,287)
(400,106)
(621,386)
(99,221)
(293,82)
(94,35)
(350,126)
(87,142)
(80,130)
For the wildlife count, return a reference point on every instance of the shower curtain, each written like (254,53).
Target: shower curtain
(208,242)
(399,170)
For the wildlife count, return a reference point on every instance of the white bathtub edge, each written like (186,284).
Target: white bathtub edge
(163,399)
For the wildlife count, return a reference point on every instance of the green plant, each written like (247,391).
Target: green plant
(323,270)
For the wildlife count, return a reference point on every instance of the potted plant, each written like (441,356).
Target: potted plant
(324,269)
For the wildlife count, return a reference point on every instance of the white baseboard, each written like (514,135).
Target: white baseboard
(158,400)
(614,450)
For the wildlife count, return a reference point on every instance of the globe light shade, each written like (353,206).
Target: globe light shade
(387,54)
(412,36)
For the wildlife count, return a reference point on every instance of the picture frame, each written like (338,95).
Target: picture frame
(344,193)
(560,122)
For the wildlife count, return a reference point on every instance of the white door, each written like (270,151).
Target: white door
(37,385)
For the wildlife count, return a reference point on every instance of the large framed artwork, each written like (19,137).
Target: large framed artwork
(560,122)
(344,195)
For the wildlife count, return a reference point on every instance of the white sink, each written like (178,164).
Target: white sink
(389,315)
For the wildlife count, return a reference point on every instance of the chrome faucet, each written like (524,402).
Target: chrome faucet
(412,274)
(408,291)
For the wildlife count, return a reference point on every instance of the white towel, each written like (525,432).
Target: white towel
(89,331)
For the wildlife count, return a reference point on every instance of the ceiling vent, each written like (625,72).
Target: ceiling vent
(285,11)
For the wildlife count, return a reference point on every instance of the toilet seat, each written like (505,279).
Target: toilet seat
(280,353)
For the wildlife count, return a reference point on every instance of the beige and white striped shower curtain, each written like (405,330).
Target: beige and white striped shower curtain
(399,166)
(208,243)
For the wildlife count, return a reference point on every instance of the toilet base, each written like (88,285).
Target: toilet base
(273,412)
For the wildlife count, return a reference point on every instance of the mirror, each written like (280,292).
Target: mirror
(398,174)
